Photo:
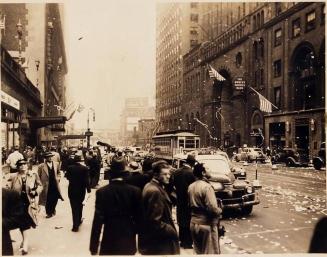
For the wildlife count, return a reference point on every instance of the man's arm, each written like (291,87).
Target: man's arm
(211,202)
(97,224)
(155,210)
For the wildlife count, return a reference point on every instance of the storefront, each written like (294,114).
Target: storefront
(11,117)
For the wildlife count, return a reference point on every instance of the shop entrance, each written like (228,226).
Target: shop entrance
(302,137)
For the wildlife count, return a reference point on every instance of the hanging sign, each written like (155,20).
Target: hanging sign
(239,83)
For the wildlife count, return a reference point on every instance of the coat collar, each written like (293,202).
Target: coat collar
(157,184)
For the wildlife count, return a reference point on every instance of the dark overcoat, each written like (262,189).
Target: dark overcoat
(158,235)
(43,173)
(118,209)
(79,181)
(182,178)
(12,217)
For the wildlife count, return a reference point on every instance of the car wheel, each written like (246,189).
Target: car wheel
(247,210)
(237,159)
(317,164)
(290,162)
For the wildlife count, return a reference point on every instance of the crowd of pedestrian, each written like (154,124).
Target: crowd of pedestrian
(133,212)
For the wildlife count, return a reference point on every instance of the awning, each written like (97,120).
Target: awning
(39,122)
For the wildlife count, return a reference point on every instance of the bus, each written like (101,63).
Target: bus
(168,144)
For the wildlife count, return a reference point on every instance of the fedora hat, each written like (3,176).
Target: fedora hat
(20,162)
(117,167)
(48,154)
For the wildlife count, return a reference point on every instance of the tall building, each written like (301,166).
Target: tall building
(33,38)
(177,32)
(135,109)
(276,50)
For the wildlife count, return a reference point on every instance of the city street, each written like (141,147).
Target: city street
(292,201)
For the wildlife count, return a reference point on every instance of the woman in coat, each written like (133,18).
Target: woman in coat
(27,183)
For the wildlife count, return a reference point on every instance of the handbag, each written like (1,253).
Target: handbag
(34,208)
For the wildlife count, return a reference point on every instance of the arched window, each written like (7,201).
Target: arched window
(261,48)
(255,50)
(254,23)
(262,18)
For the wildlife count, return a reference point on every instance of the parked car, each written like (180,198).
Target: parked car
(250,154)
(320,160)
(231,192)
(291,157)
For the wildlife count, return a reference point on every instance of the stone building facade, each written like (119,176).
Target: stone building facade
(278,50)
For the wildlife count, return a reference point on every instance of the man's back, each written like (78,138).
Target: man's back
(118,208)
(182,178)
(78,176)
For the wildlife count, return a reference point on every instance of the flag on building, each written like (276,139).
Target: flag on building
(215,74)
(265,104)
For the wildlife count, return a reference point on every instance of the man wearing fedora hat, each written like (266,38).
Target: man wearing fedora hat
(118,209)
(49,174)
(79,182)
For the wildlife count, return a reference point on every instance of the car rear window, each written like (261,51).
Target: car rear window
(217,166)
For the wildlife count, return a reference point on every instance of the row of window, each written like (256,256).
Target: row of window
(170,111)
(310,24)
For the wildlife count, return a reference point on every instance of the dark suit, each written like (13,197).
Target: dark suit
(182,178)
(118,208)
(79,183)
(12,217)
(159,235)
(137,179)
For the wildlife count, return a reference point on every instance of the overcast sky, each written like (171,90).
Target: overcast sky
(115,58)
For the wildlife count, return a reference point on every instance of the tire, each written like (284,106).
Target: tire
(290,162)
(237,159)
(247,210)
(317,164)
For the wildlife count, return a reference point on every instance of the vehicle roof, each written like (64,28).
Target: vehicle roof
(180,134)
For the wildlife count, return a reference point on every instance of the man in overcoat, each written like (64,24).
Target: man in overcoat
(158,235)
(79,183)
(49,174)
(182,178)
(118,209)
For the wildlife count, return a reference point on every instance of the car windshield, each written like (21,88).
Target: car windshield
(216,167)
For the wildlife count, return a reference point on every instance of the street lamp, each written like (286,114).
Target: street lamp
(37,64)
(20,35)
(89,133)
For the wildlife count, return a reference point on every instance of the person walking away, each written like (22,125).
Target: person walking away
(28,185)
(12,217)
(204,213)
(158,235)
(79,183)
(13,158)
(94,166)
(141,178)
(118,210)
(49,174)
(182,178)
(56,156)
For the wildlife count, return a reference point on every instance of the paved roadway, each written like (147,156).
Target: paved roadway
(291,203)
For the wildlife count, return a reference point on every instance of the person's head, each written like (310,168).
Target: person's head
(119,153)
(161,171)
(16,148)
(21,165)
(133,166)
(48,156)
(199,170)
(190,160)
(78,157)
(117,168)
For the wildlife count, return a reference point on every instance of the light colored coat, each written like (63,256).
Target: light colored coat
(43,172)
(33,182)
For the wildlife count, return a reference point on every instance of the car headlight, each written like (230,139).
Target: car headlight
(249,190)
(217,186)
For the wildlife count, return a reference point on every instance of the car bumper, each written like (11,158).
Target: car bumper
(245,200)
